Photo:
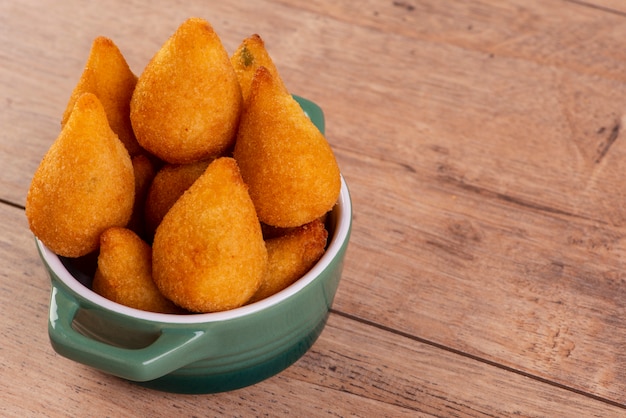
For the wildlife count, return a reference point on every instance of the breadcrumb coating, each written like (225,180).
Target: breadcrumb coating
(108,76)
(290,256)
(169,184)
(250,55)
(84,184)
(284,159)
(187,101)
(208,252)
(124,273)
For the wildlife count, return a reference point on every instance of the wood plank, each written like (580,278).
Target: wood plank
(295,59)
(543,295)
(582,35)
(354,369)
(491,221)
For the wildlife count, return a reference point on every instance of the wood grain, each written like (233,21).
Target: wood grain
(609,6)
(501,187)
(483,146)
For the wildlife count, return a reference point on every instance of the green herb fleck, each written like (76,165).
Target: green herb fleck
(246,57)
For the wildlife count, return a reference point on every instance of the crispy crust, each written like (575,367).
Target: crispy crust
(208,252)
(168,185)
(285,160)
(290,256)
(108,76)
(250,55)
(187,101)
(124,273)
(84,184)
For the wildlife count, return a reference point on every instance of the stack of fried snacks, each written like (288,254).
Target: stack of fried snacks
(201,185)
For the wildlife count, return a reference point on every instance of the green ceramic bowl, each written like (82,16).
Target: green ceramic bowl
(196,353)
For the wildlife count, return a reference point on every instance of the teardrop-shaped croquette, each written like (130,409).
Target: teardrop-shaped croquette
(208,252)
(124,273)
(108,76)
(284,159)
(250,55)
(187,101)
(290,256)
(84,184)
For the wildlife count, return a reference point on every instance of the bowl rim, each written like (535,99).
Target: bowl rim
(343,222)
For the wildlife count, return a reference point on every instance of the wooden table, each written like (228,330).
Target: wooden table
(482,143)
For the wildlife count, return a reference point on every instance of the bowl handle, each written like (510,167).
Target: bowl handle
(172,350)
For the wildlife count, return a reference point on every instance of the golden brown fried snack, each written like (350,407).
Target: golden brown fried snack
(208,252)
(284,159)
(270,231)
(124,273)
(290,256)
(84,184)
(250,55)
(144,171)
(168,185)
(107,75)
(187,101)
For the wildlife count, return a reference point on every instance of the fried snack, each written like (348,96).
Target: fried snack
(208,252)
(270,231)
(124,273)
(144,171)
(250,55)
(168,185)
(290,256)
(187,101)
(284,159)
(107,75)
(84,184)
